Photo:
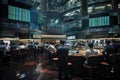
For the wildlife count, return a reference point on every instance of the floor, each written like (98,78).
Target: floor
(47,72)
(30,70)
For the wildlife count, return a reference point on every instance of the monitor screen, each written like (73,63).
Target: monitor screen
(99,21)
(71,37)
(20,14)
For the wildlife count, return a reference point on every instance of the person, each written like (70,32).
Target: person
(2,53)
(7,47)
(115,45)
(31,47)
(21,46)
(62,54)
(52,48)
(91,51)
(51,52)
(108,50)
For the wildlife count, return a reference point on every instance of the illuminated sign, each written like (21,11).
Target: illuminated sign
(36,36)
(20,14)
(71,37)
(99,21)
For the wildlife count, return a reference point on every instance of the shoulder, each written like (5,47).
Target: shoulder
(87,51)
(62,47)
(96,50)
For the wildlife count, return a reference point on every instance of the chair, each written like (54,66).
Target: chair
(118,60)
(93,61)
(92,64)
(77,69)
(106,68)
(117,67)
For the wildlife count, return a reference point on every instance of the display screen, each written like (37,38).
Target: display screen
(20,14)
(71,37)
(40,18)
(99,21)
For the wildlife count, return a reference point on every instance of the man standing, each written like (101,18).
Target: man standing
(62,54)
(108,50)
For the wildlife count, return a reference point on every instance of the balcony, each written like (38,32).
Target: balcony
(71,6)
(13,25)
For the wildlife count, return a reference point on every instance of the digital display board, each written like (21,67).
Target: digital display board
(71,37)
(40,18)
(99,21)
(20,14)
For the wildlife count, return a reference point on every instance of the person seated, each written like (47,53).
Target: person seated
(91,51)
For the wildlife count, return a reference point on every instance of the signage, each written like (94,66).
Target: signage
(36,36)
(71,37)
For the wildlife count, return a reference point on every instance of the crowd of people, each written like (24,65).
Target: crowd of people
(61,51)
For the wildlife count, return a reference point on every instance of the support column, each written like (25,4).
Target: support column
(84,13)
(43,5)
(84,8)
(114,5)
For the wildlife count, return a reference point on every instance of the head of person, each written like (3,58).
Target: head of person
(90,44)
(21,44)
(113,41)
(107,42)
(62,42)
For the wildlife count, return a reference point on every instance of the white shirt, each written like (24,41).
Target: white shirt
(91,52)
(22,47)
(52,48)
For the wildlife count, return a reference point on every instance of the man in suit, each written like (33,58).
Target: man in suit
(108,50)
(62,54)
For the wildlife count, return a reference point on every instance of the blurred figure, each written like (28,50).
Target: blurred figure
(2,52)
(21,46)
(7,47)
(91,51)
(51,52)
(62,54)
(115,45)
(31,48)
(86,45)
(108,50)
(31,45)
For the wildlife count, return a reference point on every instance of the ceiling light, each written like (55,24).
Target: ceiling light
(56,21)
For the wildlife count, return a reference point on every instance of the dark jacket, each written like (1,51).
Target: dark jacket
(108,49)
(62,54)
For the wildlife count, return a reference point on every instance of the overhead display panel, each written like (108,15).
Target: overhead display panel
(19,14)
(99,21)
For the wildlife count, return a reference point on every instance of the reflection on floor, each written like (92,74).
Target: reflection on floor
(47,72)
(30,70)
